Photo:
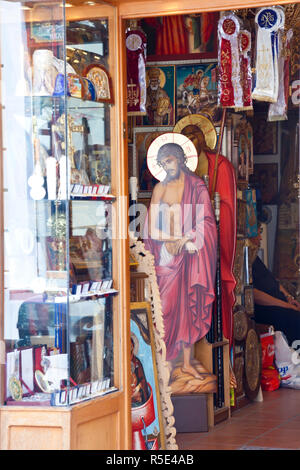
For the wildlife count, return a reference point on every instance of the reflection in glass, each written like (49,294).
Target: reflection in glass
(58,321)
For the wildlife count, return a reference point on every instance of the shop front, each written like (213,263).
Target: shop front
(95,351)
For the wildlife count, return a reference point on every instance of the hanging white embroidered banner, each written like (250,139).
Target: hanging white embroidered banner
(278,110)
(268,21)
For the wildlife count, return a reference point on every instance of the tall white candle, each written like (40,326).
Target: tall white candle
(63,177)
(51,177)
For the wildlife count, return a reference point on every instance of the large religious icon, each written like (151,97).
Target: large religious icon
(180,232)
(160,100)
(197,91)
(147,426)
(201,131)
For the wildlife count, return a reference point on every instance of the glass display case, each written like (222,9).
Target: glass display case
(60,296)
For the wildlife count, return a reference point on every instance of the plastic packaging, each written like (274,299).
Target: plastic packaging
(287,362)
(270,378)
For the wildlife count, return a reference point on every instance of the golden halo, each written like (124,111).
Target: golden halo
(204,124)
(175,138)
(162,77)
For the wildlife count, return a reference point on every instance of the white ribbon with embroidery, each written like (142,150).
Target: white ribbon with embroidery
(268,21)
(278,110)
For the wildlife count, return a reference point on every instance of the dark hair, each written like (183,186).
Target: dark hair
(171,149)
(196,131)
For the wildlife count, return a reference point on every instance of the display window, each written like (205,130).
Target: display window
(59,280)
(149,203)
(221,86)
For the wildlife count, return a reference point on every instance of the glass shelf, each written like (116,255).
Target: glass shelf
(72,102)
(58,223)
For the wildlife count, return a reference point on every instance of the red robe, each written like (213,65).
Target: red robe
(187,282)
(226,187)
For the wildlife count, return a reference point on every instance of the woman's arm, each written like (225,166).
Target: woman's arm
(261,298)
(290,299)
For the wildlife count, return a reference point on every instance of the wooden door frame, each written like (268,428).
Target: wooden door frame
(145,8)
(135,9)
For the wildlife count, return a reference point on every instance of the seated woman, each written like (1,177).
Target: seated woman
(273,304)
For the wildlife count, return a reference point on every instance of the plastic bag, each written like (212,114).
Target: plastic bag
(267,350)
(287,362)
(270,378)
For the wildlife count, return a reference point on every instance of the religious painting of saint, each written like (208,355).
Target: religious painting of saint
(160,96)
(147,426)
(142,139)
(197,91)
(180,232)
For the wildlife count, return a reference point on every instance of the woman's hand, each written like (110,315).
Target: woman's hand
(293,302)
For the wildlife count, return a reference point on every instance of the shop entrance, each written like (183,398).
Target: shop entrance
(258,139)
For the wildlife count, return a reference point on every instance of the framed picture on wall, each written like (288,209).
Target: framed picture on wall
(266,178)
(147,424)
(241,154)
(196,39)
(142,139)
(160,97)
(197,90)
(265,135)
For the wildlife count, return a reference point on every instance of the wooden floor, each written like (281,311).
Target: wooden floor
(273,423)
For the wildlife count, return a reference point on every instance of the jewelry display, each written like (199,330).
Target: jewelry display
(14,383)
(101,80)
(66,210)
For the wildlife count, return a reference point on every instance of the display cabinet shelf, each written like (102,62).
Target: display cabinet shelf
(73,103)
(60,317)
